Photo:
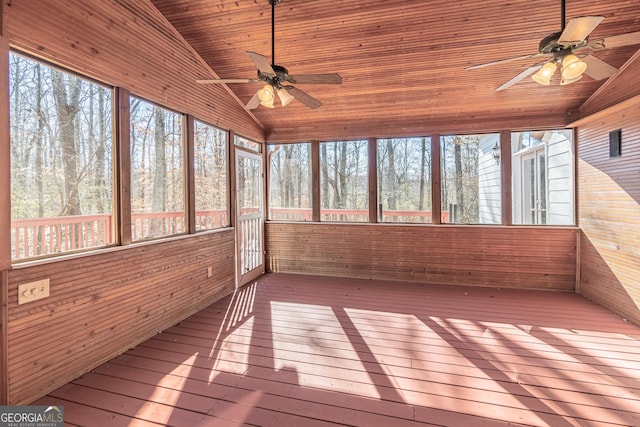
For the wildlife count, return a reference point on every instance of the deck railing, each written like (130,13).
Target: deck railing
(354,215)
(44,236)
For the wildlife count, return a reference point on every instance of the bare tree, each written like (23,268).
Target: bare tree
(66,96)
(160,163)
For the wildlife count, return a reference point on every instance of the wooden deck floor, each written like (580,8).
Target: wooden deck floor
(294,350)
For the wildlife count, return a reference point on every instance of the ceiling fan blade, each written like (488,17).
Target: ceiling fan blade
(262,63)
(621,40)
(303,97)
(503,61)
(597,69)
(253,103)
(578,29)
(329,79)
(208,81)
(519,77)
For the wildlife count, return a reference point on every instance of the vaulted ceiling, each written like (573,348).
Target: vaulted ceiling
(402,61)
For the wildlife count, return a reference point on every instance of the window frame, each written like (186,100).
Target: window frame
(191,142)
(114,235)
(184,172)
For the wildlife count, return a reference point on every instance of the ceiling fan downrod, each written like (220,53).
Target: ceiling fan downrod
(273,4)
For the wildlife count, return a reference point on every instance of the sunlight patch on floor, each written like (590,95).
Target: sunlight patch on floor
(324,338)
(168,396)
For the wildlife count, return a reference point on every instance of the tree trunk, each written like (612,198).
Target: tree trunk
(423,160)
(342,176)
(289,176)
(160,164)
(459,176)
(67,112)
(103,198)
(391,175)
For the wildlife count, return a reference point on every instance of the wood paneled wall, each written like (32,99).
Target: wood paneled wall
(126,44)
(507,257)
(609,211)
(615,90)
(105,303)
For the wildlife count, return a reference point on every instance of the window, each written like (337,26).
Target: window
(290,182)
(542,177)
(471,185)
(404,180)
(157,171)
(210,171)
(248,144)
(344,181)
(61,161)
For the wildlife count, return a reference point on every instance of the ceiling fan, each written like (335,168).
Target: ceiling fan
(275,76)
(570,48)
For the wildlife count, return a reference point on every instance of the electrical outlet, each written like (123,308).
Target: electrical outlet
(33,291)
(209,271)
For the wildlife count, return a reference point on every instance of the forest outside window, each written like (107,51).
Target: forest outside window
(290,182)
(210,171)
(470,179)
(344,182)
(404,180)
(61,161)
(157,171)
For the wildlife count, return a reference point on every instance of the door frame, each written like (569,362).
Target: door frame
(534,153)
(244,277)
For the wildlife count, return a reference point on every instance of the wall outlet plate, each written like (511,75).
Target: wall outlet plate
(33,291)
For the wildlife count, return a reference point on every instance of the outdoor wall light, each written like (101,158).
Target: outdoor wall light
(496,152)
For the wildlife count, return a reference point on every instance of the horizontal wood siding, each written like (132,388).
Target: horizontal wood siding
(104,304)
(509,257)
(127,44)
(609,212)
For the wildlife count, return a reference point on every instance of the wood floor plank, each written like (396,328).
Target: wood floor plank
(305,350)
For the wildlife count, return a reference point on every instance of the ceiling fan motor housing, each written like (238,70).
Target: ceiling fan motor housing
(551,45)
(282,74)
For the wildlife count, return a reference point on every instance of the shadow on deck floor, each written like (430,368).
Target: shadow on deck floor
(293,350)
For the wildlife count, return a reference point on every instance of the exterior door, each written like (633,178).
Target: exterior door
(250,216)
(534,191)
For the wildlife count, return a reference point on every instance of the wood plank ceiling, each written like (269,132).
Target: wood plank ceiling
(402,62)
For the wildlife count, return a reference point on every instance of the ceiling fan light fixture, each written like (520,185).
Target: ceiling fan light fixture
(266,96)
(285,97)
(572,67)
(564,81)
(544,74)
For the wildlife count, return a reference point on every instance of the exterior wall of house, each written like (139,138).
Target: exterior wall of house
(609,211)
(489,184)
(558,153)
(560,177)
